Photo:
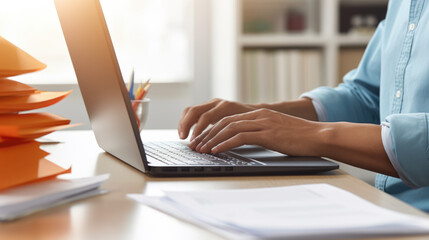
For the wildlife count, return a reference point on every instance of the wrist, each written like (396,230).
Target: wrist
(302,108)
(260,106)
(325,137)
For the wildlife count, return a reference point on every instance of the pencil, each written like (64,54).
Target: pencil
(145,89)
(141,95)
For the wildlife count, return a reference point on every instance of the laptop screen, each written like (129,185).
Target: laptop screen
(100,80)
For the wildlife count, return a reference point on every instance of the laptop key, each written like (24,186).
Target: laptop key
(173,153)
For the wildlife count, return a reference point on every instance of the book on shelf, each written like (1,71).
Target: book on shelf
(312,71)
(265,76)
(250,76)
(282,70)
(280,75)
(270,92)
(296,72)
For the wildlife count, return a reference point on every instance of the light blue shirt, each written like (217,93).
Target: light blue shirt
(391,87)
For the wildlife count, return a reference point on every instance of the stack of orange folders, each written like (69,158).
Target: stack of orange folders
(21,159)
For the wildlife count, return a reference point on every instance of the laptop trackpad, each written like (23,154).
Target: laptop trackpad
(256,152)
(275,158)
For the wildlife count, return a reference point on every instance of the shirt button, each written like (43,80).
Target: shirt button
(412,26)
(398,94)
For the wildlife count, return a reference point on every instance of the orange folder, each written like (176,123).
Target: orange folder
(30,125)
(5,142)
(13,133)
(31,120)
(39,99)
(25,163)
(15,61)
(10,88)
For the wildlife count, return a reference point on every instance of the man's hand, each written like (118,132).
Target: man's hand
(274,130)
(289,128)
(208,113)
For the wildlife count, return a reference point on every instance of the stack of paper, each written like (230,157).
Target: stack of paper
(23,200)
(21,159)
(318,211)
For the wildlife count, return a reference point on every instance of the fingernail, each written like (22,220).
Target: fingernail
(214,150)
(204,148)
(199,147)
(181,134)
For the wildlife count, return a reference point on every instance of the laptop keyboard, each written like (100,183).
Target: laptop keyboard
(175,153)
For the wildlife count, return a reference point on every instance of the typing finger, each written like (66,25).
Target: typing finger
(194,143)
(182,134)
(224,122)
(207,118)
(238,140)
(190,117)
(231,130)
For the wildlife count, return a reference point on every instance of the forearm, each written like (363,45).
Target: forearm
(302,108)
(359,145)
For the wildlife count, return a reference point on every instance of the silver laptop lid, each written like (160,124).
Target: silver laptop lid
(100,80)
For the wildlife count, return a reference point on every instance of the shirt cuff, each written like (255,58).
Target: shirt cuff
(388,147)
(318,106)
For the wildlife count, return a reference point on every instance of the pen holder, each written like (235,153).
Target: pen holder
(141,110)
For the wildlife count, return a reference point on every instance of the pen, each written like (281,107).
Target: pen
(131,88)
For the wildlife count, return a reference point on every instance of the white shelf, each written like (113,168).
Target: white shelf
(230,42)
(353,40)
(282,40)
(301,40)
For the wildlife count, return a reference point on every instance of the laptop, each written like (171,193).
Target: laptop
(115,127)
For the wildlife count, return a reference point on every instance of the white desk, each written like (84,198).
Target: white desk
(113,216)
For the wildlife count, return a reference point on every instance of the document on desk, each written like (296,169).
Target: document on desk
(317,211)
(26,199)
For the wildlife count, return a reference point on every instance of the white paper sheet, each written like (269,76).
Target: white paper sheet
(26,199)
(308,211)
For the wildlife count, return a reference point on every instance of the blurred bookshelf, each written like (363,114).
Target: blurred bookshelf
(262,47)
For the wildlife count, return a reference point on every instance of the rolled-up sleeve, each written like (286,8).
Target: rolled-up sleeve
(357,99)
(409,136)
